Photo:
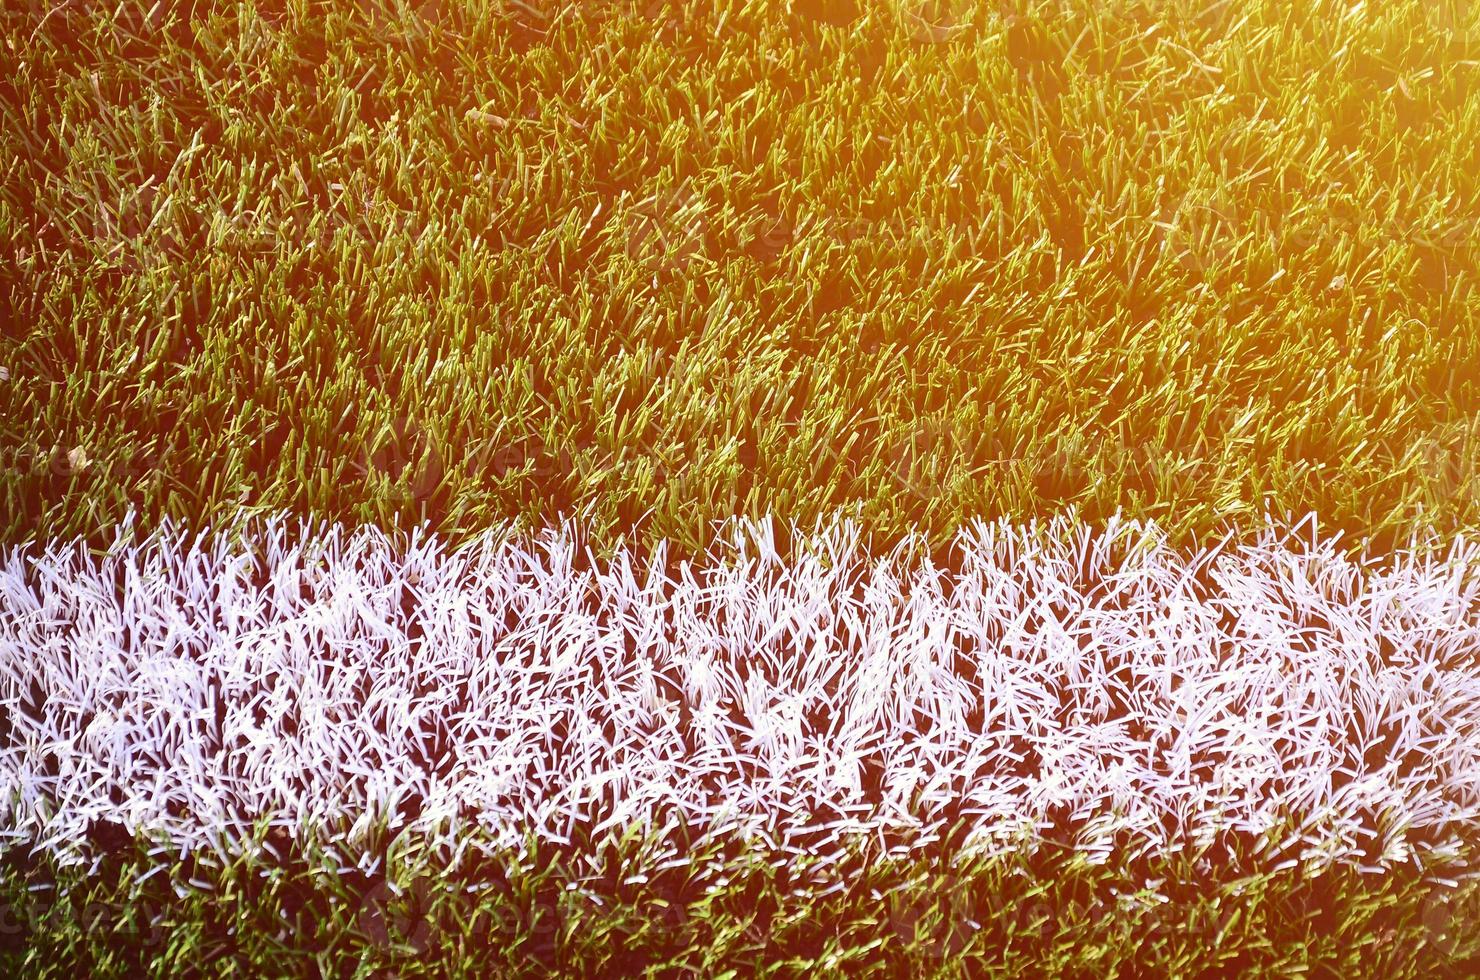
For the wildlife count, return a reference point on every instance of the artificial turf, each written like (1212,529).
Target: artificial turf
(406,912)
(647,265)
(656,264)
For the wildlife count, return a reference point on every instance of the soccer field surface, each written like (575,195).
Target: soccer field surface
(540,450)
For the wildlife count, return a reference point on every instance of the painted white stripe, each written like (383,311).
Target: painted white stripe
(192,684)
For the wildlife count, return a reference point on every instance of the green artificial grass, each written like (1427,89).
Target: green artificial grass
(726,912)
(655,263)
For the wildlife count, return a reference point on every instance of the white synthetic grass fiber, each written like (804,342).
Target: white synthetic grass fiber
(313,675)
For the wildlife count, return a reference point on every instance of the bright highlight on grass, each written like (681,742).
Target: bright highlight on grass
(1093,687)
(663,262)
(624,269)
